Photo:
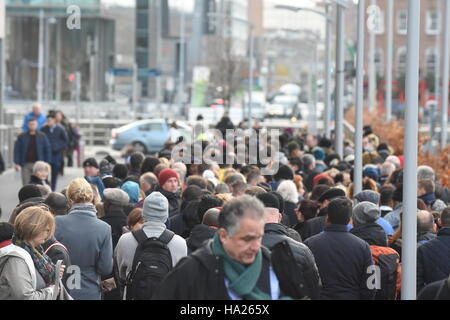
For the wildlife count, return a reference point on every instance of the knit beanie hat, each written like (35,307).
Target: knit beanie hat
(132,189)
(372,173)
(156,208)
(29,191)
(269,200)
(365,212)
(165,175)
(318,153)
(320,176)
(331,194)
(368,195)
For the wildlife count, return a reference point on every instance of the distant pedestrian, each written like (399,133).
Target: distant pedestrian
(31,146)
(342,258)
(58,139)
(35,114)
(87,239)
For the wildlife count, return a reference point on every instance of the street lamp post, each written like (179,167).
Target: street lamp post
(327,95)
(445,77)
(339,113)
(250,66)
(389,44)
(359,100)
(409,221)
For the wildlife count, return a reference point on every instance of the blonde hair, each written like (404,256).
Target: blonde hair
(225,197)
(80,191)
(41,166)
(164,160)
(32,221)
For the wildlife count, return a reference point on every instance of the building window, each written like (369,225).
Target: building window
(380,25)
(379,62)
(433,22)
(431,61)
(401,61)
(402,22)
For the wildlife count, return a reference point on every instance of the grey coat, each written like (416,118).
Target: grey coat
(18,277)
(89,243)
(126,248)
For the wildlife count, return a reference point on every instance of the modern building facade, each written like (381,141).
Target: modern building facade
(88,50)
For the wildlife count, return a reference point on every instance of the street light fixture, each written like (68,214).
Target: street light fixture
(251,26)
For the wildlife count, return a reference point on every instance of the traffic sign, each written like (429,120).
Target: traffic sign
(120,72)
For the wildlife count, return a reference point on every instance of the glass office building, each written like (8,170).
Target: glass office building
(88,50)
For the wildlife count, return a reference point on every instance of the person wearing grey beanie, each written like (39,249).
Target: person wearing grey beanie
(368,195)
(365,212)
(364,217)
(155,213)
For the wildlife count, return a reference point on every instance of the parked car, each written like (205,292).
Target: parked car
(147,136)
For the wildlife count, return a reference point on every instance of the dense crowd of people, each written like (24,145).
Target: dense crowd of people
(158,228)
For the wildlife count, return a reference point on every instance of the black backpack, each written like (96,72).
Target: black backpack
(152,261)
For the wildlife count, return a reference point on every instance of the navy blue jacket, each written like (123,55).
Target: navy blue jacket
(343,261)
(433,259)
(42,146)
(58,141)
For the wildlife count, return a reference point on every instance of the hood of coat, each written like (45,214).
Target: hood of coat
(16,251)
(199,234)
(372,233)
(276,228)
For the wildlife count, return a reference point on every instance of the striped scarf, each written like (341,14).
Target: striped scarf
(41,261)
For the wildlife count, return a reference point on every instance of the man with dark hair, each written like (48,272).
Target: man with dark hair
(234,265)
(275,232)
(31,146)
(425,191)
(393,217)
(120,171)
(433,257)
(344,260)
(136,160)
(59,141)
(386,201)
(317,224)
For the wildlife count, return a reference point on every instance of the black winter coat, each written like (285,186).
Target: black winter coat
(343,260)
(289,211)
(184,222)
(433,259)
(275,233)
(199,234)
(313,226)
(174,201)
(206,280)
(117,219)
(372,233)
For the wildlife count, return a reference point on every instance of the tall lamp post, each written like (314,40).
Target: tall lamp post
(327,95)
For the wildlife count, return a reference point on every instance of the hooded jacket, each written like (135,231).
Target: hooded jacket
(18,276)
(433,259)
(199,234)
(174,201)
(304,259)
(206,280)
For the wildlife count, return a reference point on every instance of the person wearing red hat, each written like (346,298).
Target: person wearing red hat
(169,186)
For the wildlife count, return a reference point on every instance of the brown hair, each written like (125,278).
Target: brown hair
(80,191)
(32,221)
(134,217)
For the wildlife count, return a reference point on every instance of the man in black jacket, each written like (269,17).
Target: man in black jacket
(316,225)
(233,265)
(275,232)
(115,200)
(169,184)
(433,257)
(343,259)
